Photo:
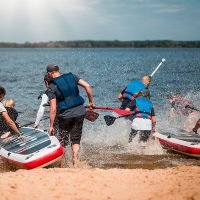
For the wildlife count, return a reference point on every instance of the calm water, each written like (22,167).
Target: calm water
(108,71)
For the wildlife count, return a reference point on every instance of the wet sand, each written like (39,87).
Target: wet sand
(84,184)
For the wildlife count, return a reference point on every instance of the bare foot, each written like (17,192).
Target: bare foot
(75,163)
(63,162)
(81,164)
(5,135)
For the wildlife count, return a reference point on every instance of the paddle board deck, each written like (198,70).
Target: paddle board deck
(35,148)
(188,144)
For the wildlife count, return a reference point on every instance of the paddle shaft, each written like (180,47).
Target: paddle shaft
(116,110)
(192,108)
(163,60)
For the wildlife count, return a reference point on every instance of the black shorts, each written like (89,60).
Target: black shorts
(70,129)
(143,135)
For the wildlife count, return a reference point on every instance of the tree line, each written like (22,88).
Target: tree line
(104,44)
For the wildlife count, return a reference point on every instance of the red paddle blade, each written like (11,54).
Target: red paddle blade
(91,115)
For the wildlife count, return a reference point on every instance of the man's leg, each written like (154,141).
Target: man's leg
(61,136)
(132,134)
(75,136)
(75,151)
(144,135)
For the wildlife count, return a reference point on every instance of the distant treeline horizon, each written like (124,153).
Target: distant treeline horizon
(104,44)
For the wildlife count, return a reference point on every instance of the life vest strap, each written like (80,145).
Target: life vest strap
(138,112)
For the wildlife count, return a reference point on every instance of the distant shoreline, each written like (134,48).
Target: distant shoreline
(104,44)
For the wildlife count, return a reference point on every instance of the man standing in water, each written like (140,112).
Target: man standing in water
(65,100)
(132,90)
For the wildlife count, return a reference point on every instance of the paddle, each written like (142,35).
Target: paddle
(91,115)
(163,60)
(110,119)
(116,110)
(187,106)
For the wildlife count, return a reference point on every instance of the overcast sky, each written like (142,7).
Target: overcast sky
(50,20)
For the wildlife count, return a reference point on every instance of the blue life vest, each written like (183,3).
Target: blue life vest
(133,88)
(68,88)
(143,108)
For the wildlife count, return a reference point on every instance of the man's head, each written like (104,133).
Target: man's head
(52,69)
(146,79)
(2,93)
(173,96)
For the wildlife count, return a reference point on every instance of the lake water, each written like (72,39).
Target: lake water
(108,71)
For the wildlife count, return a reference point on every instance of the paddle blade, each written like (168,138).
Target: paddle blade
(109,119)
(91,115)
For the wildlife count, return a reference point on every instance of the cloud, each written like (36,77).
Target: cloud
(44,20)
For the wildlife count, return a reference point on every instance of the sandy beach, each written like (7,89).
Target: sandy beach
(85,184)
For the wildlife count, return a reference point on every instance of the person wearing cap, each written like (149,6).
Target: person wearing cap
(132,90)
(5,118)
(144,120)
(65,100)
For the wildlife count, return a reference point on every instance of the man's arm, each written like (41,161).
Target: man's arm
(52,115)
(88,90)
(131,106)
(10,122)
(153,120)
(120,96)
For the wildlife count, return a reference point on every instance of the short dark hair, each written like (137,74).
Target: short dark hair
(2,90)
(52,68)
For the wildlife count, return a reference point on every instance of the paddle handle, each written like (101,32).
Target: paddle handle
(163,60)
(103,108)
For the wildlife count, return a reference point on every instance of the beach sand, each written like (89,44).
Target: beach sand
(176,183)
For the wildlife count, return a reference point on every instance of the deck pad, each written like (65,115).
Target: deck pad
(31,141)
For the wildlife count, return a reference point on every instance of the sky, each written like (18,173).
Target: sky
(55,20)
